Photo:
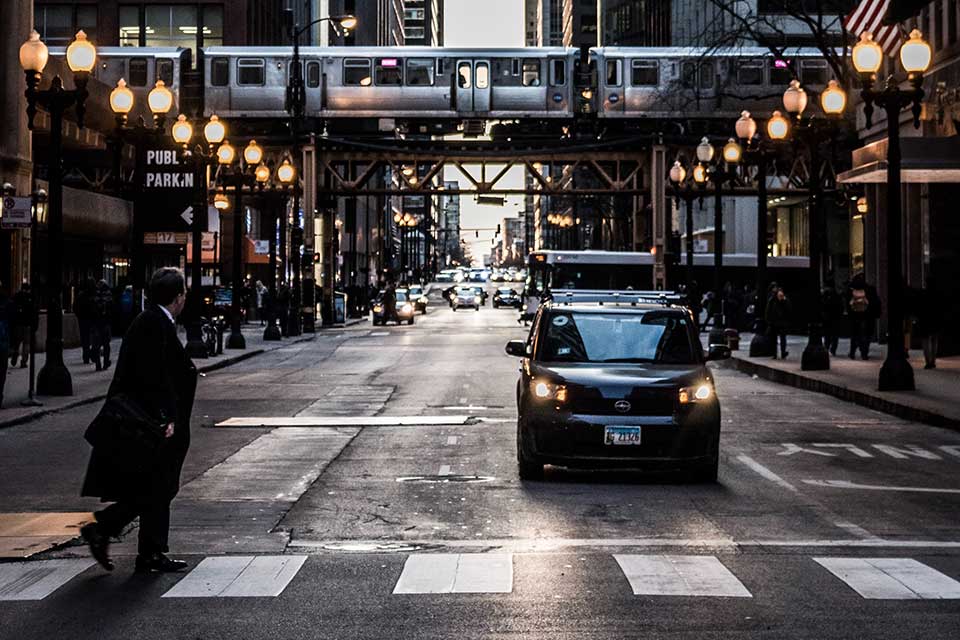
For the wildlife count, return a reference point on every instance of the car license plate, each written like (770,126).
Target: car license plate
(621,435)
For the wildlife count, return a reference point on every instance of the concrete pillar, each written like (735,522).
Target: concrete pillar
(658,195)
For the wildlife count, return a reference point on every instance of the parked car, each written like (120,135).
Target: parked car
(506,297)
(616,384)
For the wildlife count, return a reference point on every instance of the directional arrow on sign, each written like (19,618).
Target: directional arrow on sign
(187,215)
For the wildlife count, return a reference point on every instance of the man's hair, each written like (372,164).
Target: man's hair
(165,285)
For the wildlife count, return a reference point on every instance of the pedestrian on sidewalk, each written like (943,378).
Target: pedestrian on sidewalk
(831,313)
(778,314)
(86,312)
(7,313)
(25,320)
(863,309)
(101,329)
(261,293)
(154,373)
(930,321)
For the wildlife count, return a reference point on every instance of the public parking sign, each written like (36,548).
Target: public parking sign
(16,212)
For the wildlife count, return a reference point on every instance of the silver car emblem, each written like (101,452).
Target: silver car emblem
(622,406)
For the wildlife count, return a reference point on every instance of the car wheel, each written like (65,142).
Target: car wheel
(477,307)
(410,321)
(454,308)
(528,467)
(707,472)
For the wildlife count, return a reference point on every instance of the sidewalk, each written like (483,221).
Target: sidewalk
(90,385)
(936,400)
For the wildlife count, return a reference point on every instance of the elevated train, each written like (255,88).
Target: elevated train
(450,86)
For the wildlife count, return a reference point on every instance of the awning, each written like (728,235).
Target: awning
(923,160)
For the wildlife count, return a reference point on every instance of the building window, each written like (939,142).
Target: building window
(646,73)
(130,31)
(161,25)
(58,24)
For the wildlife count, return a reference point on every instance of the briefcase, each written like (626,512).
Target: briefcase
(124,429)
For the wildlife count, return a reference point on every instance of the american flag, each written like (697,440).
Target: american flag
(868,16)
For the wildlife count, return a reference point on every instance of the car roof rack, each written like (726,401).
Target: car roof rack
(629,296)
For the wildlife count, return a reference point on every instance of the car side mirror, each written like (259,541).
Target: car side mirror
(517,348)
(718,352)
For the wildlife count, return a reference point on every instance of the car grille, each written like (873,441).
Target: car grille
(643,402)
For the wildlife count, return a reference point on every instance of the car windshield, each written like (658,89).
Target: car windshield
(416,291)
(505,291)
(465,291)
(401,296)
(617,337)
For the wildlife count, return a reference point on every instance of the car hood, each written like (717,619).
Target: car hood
(615,377)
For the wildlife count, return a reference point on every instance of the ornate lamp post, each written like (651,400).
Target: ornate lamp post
(896,374)
(811,132)
(54,378)
(274,198)
(160,101)
(687,192)
(201,157)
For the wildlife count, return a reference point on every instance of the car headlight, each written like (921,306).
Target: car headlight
(406,308)
(547,391)
(424,299)
(456,298)
(699,393)
(377,308)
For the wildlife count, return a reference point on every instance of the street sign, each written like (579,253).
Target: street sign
(261,247)
(16,212)
(187,215)
(165,237)
(165,171)
(208,241)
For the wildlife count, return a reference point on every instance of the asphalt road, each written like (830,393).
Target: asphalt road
(828,521)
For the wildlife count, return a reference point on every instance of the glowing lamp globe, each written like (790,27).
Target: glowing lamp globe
(915,54)
(732,152)
(700,174)
(160,99)
(795,99)
(867,54)
(81,54)
(286,173)
(121,98)
(677,173)
(214,131)
(34,54)
(833,100)
(182,130)
(705,150)
(778,127)
(226,153)
(746,126)
(253,153)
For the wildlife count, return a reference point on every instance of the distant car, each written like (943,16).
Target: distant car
(447,275)
(616,385)
(506,297)
(419,298)
(404,309)
(465,297)
(482,294)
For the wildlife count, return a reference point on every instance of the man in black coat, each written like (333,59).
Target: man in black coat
(155,372)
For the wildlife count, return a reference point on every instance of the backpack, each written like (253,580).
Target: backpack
(859,301)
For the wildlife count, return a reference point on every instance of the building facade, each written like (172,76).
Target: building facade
(635,23)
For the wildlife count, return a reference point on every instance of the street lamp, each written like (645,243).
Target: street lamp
(687,192)
(200,158)
(274,197)
(896,374)
(54,379)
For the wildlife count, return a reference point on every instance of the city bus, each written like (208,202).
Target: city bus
(608,270)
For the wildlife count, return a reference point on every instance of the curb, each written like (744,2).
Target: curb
(226,362)
(861,398)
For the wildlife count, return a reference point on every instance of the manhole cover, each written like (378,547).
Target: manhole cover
(445,479)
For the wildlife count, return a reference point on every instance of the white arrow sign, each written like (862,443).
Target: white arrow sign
(187,215)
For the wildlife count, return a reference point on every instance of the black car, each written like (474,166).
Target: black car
(616,384)
(506,297)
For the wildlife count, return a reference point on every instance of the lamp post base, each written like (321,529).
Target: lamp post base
(54,380)
(272,332)
(896,374)
(761,346)
(236,340)
(717,333)
(815,356)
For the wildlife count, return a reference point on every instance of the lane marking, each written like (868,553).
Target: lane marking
(680,576)
(951,449)
(452,440)
(444,470)
(469,407)
(906,451)
(892,578)
(852,448)
(846,484)
(764,472)
(856,530)
(542,545)
(36,579)
(238,577)
(790,449)
(456,573)
(345,421)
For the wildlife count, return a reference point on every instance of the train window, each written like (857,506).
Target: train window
(313,74)
(440,66)
(515,66)
(419,72)
(464,75)
(531,73)
(356,72)
(688,74)
(165,71)
(389,71)
(813,72)
(137,72)
(483,75)
(558,73)
(706,75)
(749,72)
(614,69)
(780,73)
(251,72)
(646,73)
(219,72)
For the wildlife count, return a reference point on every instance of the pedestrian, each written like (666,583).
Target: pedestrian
(155,374)
(778,313)
(101,328)
(930,321)
(390,304)
(863,309)
(86,312)
(283,308)
(831,313)
(261,292)
(7,313)
(25,321)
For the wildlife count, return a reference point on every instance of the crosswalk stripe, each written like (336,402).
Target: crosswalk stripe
(238,576)
(680,576)
(892,578)
(36,579)
(456,573)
